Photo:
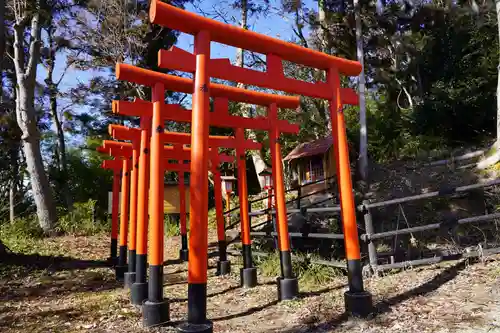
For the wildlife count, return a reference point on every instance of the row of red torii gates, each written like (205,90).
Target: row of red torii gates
(143,154)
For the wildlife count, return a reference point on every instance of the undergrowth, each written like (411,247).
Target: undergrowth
(309,273)
(23,234)
(172,226)
(80,220)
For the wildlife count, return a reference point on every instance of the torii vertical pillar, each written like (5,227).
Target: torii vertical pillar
(358,302)
(288,286)
(248,274)
(139,289)
(223,265)
(183,252)
(198,210)
(156,309)
(116,167)
(129,276)
(122,267)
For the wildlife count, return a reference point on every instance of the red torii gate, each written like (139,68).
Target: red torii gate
(116,166)
(219,141)
(216,158)
(126,156)
(153,309)
(357,300)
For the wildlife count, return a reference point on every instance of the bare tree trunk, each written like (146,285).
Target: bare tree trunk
(14,181)
(53,90)
(495,149)
(257,159)
(2,45)
(363,134)
(324,46)
(497,7)
(26,118)
(12,201)
(322,35)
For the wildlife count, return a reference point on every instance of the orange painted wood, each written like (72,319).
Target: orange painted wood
(198,209)
(242,188)
(124,202)
(184,21)
(341,151)
(219,211)
(278,182)
(143,187)
(156,241)
(178,59)
(182,203)
(219,118)
(213,140)
(116,166)
(125,72)
(132,239)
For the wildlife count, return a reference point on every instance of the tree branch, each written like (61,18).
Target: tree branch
(34,52)
(298,31)
(18,48)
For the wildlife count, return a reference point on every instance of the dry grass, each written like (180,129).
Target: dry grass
(453,297)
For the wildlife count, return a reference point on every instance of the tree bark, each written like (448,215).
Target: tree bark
(257,159)
(53,90)
(363,133)
(495,149)
(12,202)
(497,7)
(2,45)
(14,181)
(324,46)
(26,119)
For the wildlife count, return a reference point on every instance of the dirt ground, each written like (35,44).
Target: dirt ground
(79,294)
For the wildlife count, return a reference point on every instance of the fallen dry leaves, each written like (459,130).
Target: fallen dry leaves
(454,297)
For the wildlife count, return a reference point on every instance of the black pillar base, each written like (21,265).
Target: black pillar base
(223,267)
(287,288)
(184,254)
(112,261)
(155,314)
(206,327)
(120,272)
(129,279)
(138,293)
(248,277)
(358,304)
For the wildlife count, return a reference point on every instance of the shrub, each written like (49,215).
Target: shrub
(80,220)
(171,226)
(309,273)
(19,235)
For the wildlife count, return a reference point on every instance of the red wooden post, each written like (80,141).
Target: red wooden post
(223,265)
(122,267)
(115,166)
(288,284)
(139,290)
(357,300)
(248,273)
(198,211)
(156,308)
(183,252)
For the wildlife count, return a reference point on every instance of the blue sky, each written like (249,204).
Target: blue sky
(270,23)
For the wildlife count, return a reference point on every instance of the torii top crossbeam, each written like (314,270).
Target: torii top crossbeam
(125,72)
(178,19)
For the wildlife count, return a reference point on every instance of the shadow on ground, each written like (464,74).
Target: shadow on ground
(53,285)
(275,302)
(386,305)
(50,263)
(31,321)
